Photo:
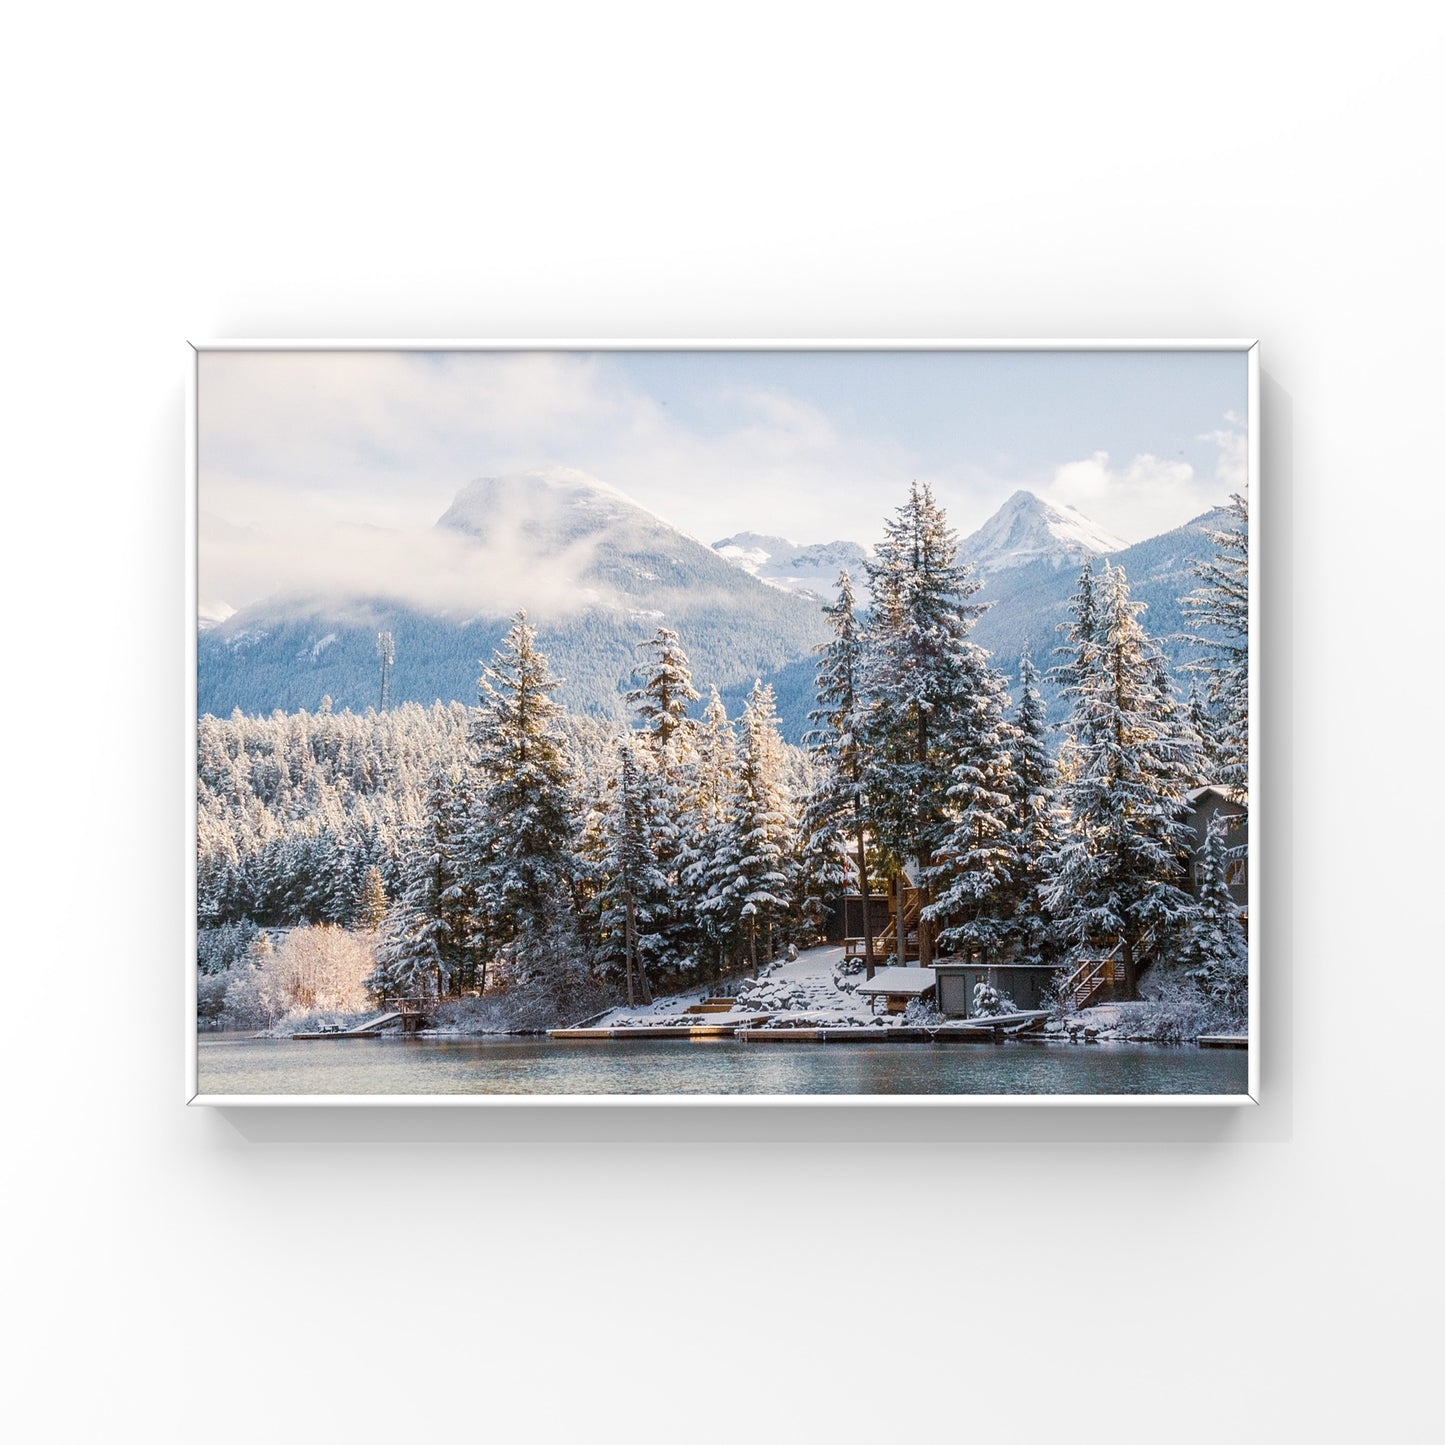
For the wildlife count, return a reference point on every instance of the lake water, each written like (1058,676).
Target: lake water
(510,1065)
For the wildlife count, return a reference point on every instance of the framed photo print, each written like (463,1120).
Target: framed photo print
(724,722)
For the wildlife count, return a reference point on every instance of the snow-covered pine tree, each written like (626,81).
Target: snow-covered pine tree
(522,854)
(1200,724)
(661,702)
(920,665)
(706,845)
(673,939)
(974,870)
(632,882)
(1218,624)
(1121,866)
(834,821)
(1035,813)
(1215,953)
(756,859)
(426,946)
(1081,631)
(371,902)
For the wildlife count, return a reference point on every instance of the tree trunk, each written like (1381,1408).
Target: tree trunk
(925,925)
(644,987)
(753,942)
(863,888)
(628,948)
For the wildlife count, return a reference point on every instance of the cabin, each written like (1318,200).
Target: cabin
(1027,984)
(1203,805)
(888,901)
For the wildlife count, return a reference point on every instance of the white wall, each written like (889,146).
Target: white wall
(1069,170)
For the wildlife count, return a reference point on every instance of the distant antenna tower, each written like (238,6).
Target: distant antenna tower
(386,651)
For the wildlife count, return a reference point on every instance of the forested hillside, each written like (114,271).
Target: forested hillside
(1027,605)
(613,573)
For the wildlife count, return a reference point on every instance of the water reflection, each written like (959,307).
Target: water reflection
(720,1066)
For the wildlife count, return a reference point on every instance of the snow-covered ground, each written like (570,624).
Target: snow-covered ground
(811,990)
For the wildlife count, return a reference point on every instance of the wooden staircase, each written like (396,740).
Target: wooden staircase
(713,1005)
(886,942)
(1095,975)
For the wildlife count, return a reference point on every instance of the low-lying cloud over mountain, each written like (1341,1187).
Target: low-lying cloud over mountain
(596,573)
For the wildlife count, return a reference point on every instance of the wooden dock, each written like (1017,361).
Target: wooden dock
(1223,1041)
(751,1031)
(658,1031)
(411,1021)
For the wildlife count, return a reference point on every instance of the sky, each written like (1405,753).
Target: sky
(318,470)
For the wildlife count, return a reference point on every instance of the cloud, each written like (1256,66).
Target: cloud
(1152,494)
(1148,495)
(1232,469)
(302,452)
(310,447)
(436,570)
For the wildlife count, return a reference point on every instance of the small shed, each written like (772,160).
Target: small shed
(1027,984)
(898,986)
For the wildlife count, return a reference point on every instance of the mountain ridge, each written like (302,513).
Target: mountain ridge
(610,571)
(615,571)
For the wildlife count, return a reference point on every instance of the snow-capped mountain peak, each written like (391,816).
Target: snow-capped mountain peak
(1028,529)
(810,570)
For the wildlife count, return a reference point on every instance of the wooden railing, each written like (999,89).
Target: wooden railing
(887,941)
(1094,975)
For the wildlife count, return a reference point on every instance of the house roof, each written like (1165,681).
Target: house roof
(957,965)
(899,982)
(1237,796)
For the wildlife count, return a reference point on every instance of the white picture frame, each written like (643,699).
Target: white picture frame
(193,1093)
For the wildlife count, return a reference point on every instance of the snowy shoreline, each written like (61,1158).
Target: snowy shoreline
(809,999)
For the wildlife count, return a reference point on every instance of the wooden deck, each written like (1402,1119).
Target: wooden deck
(1223,1041)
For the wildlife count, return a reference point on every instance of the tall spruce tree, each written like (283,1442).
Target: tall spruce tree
(1079,651)
(974,871)
(1121,866)
(756,856)
(371,901)
(524,835)
(427,936)
(1218,624)
(1035,813)
(633,881)
(1201,725)
(920,669)
(661,703)
(708,837)
(835,817)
